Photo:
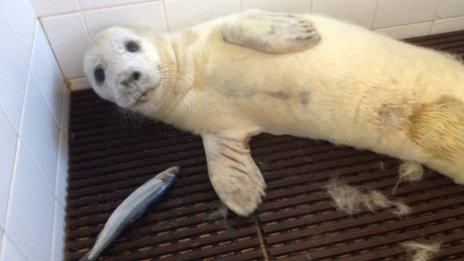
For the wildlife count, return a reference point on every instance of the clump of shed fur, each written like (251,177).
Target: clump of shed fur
(352,201)
(409,172)
(421,251)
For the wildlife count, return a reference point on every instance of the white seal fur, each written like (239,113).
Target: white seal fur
(302,75)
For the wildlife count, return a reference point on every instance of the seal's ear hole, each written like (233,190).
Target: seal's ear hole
(99,75)
(132,46)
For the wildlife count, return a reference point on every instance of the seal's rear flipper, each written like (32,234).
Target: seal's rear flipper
(276,33)
(233,173)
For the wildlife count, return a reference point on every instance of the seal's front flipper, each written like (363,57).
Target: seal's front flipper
(233,173)
(269,32)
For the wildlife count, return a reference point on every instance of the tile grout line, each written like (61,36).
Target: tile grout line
(55,117)
(15,163)
(81,14)
(39,21)
(435,16)
(2,250)
(30,77)
(10,27)
(54,240)
(163,2)
(375,14)
(80,10)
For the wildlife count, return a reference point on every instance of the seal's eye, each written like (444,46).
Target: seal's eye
(99,75)
(132,46)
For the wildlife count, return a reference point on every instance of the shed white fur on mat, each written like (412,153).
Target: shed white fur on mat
(409,172)
(351,200)
(421,251)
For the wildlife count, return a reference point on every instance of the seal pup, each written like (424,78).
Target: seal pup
(303,75)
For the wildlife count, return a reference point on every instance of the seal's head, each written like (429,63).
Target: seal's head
(123,66)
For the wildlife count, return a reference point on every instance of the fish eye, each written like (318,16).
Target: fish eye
(99,75)
(132,46)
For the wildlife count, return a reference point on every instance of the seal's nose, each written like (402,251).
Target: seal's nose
(135,76)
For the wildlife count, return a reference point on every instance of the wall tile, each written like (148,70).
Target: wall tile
(8,141)
(400,12)
(406,31)
(185,13)
(360,12)
(92,4)
(147,15)
(29,220)
(69,45)
(62,171)
(448,25)
(22,18)
(13,75)
(10,251)
(286,6)
(80,83)
(58,234)
(48,74)
(451,8)
(40,132)
(54,7)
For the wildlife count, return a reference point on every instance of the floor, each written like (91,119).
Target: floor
(112,154)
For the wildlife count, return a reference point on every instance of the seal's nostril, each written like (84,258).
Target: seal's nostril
(126,82)
(135,76)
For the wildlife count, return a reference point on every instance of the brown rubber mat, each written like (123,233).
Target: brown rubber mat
(110,157)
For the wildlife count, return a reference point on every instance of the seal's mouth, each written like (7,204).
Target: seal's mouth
(145,95)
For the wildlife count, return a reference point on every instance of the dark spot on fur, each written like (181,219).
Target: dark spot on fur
(304,97)
(279,95)
(239,93)
(272,31)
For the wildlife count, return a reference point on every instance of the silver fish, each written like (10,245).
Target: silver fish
(131,209)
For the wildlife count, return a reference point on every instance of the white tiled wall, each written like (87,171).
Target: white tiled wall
(83,19)
(33,159)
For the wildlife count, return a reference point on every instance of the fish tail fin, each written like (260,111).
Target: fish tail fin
(86,257)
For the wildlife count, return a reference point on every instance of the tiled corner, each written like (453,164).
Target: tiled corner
(40,132)
(13,75)
(285,6)
(54,7)
(62,172)
(448,25)
(451,8)
(65,113)
(361,12)
(80,83)
(400,12)
(47,72)
(407,31)
(29,220)
(92,4)
(8,141)
(147,15)
(21,17)
(185,13)
(69,39)
(10,252)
